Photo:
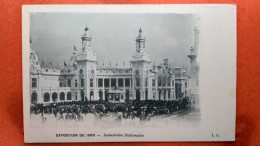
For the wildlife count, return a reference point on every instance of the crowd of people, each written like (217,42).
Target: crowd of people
(127,110)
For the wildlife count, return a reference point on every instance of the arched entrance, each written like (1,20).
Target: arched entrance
(82,94)
(164,94)
(34,98)
(106,95)
(46,97)
(62,96)
(69,96)
(169,94)
(159,94)
(146,94)
(127,94)
(100,95)
(54,97)
(91,95)
(178,90)
(138,95)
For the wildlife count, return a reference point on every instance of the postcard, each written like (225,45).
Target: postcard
(129,73)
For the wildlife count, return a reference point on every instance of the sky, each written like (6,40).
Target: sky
(54,36)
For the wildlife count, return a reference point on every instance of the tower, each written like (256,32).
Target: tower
(86,41)
(140,70)
(194,69)
(86,70)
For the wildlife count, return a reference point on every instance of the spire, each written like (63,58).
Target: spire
(86,40)
(140,42)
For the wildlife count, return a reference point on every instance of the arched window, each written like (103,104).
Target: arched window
(62,96)
(82,94)
(46,97)
(34,98)
(69,96)
(92,71)
(54,96)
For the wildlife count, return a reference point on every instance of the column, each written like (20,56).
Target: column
(103,88)
(117,82)
(109,83)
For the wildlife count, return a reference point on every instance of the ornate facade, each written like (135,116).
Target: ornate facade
(81,79)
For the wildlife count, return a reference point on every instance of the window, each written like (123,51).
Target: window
(92,71)
(46,97)
(159,82)
(113,82)
(127,82)
(100,82)
(69,96)
(76,83)
(169,82)
(172,82)
(106,82)
(120,82)
(153,82)
(164,82)
(60,84)
(186,84)
(91,83)
(76,96)
(34,82)
(82,83)
(137,82)
(146,82)
(62,96)
(69,82)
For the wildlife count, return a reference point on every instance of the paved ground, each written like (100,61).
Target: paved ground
(187,118)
